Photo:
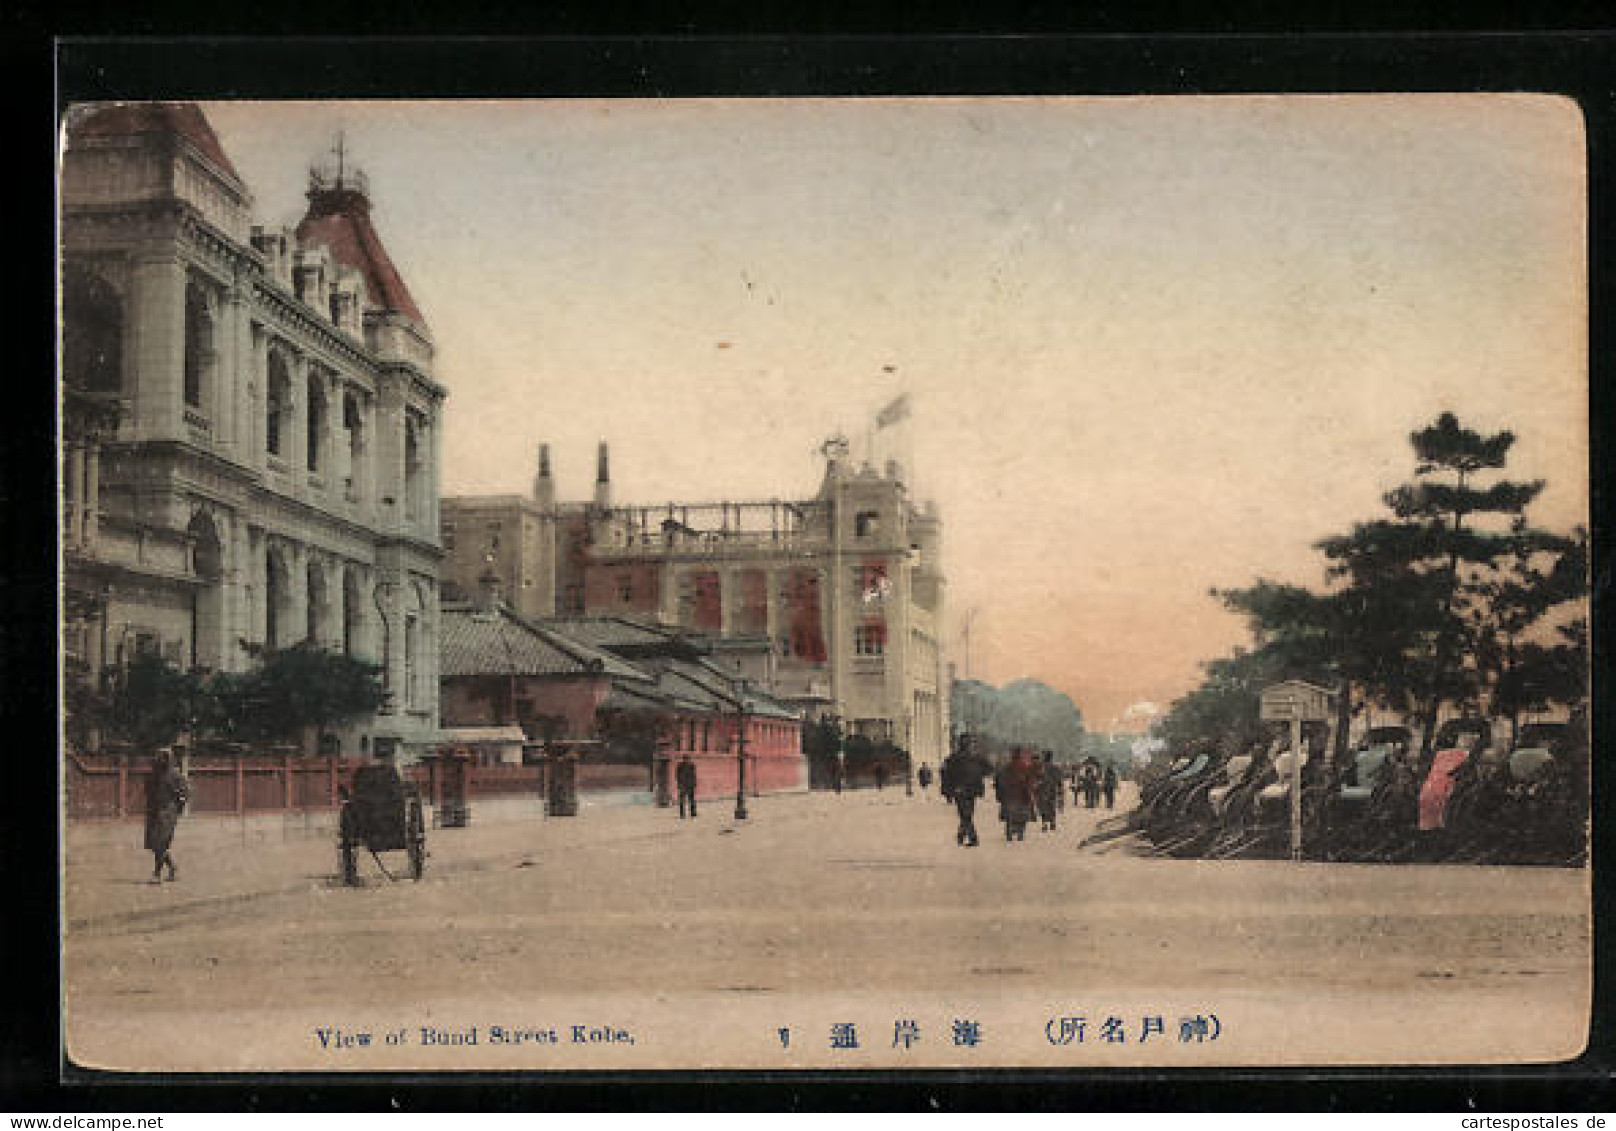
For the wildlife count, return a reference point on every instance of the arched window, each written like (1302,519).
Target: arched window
(198,343)
(353,426)
(277,404)
(207,601)
(316,422)
(92,333)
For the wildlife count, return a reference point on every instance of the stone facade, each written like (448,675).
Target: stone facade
(264,464)
(835,602)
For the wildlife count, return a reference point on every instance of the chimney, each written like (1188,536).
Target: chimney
(543,485)
(490,590)
(603,479)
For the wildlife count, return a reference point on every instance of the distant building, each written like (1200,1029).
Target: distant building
(251,420)
(834,601)
(624,693)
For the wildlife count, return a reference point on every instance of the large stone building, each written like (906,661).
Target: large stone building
(835,601)
(251,420)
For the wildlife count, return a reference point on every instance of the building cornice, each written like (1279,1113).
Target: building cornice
(293,312)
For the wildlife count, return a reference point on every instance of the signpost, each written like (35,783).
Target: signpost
(1296,701)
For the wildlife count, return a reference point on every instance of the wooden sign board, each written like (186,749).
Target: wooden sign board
(1295,699)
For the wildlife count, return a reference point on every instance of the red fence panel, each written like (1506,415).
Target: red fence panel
(505,781)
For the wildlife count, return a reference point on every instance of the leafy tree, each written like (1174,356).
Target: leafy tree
(1227,703)
(298,692)
(1523,668)
(822,739)
(153,702)
(1449,600)
(84,706)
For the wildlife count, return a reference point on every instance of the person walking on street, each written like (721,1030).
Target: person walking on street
(961,783)
(880,775)
(923,775)
(1109,785)
(166,795)
(685,777)
(1091,784)
(1017,785)
(1049,792)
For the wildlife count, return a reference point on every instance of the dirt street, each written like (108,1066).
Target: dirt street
(625,938)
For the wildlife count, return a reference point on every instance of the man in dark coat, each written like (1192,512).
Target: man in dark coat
(962,775)
(1049,792)
(684,776)
(923,776)
(1091,784)
(166,794)
(1109,785)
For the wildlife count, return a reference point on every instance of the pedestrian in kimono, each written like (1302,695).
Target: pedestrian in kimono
(1018,788)
(166,795)
(1109,785)
(1049,792)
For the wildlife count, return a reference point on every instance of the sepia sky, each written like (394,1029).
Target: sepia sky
(1153,345)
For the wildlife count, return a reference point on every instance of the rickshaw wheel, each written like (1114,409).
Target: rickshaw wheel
(416,837)
(347,860)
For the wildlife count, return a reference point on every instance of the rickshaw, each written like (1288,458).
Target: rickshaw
(1255,817)
(1170,816)
(1547,794)
(1358,812)
(382,813)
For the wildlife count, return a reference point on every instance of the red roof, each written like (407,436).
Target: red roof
(339,218)
(178,119)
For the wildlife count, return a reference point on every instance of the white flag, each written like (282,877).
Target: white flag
(894,412)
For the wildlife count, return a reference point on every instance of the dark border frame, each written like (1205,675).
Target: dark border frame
(1579,65)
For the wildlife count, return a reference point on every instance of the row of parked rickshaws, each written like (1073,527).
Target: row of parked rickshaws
(1475,797)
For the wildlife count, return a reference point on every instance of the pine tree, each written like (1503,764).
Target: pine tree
(1428,566)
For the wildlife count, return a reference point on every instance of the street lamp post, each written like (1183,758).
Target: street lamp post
(740,751)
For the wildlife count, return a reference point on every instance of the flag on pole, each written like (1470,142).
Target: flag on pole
(894,412)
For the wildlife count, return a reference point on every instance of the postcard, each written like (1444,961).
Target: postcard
(815,583)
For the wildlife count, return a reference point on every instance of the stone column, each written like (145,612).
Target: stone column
(253,404)
(158,313)
(229,371)
(389,456)
(255,564)
(429,654)
(295,427)
(370,487)
(235,580)
(432,481)
(76,512)
(92,494)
